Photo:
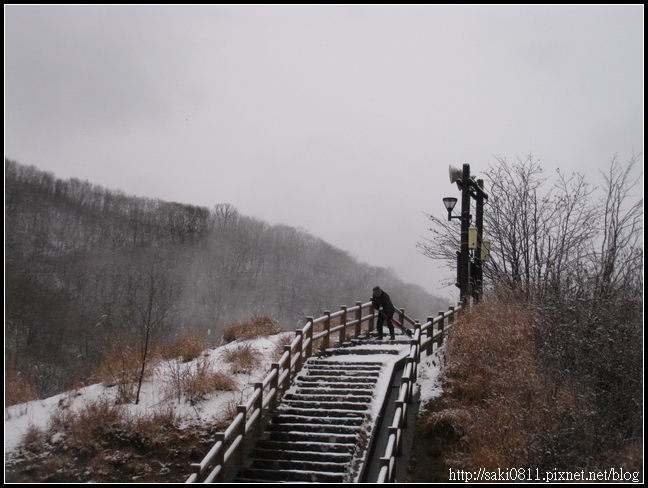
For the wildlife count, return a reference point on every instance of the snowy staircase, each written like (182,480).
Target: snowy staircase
(323,428)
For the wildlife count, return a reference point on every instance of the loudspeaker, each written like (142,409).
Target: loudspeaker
(455,175)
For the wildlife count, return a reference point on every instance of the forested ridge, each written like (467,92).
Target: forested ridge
(87,268)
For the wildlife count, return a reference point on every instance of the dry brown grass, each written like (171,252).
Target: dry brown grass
(279,342)
(187,347)
(497,403)
(119,367)
(102,442)
(196,382)
(243,358)
(18,389)
(499,409)
(259,326)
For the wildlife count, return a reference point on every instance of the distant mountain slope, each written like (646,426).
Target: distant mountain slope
(87,267)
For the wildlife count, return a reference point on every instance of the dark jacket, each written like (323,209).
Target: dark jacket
(383,301)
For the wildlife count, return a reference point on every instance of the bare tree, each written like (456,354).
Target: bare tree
(151,296)
(553,241)
(618,263)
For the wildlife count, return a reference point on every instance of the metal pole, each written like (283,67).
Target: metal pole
(479,217)
(465,224)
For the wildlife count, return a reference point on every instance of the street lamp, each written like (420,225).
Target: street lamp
(469,188)
(450,203)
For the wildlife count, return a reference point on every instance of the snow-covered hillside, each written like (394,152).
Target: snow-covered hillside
(19,419)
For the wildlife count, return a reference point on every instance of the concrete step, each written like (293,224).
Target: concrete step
(299,465)
(339,392)
(318,412)
(273,476)
(335,379)
(342,373)
(322,398)
(332,438)
(325,409)
(333,385)
(301,419)
(314,428)
(304,446)
(321,456)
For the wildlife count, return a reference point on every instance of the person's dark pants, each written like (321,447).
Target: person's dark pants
(390,325)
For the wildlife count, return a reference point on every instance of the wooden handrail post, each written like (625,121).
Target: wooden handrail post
(406,381)
(309,338)
(401,316)
(430,335)
(274,385)
(326,342)
(417,327)
(403,420)
(343,322)
(441,328)
(358,317)
(239,454)
(286,383)
(395,431)
(385,462)
(300,345)
(219,457)
(257,428)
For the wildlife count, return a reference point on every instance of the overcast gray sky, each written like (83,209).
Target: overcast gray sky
(338,119)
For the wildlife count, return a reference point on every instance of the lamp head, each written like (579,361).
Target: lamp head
(449,203)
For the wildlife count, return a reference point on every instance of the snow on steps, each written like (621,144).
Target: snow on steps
(323,429)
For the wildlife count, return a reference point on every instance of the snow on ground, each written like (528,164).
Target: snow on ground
(19,418)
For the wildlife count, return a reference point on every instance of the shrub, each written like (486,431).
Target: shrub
(196,381)
(18,389)
(279,342)
(243,358)
(120,367)
(259,326)
(505,407)
(187,347)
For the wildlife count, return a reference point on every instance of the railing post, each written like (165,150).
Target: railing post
(239,454)
(286,383)
(441,328)
(309,338)
(385,462)
(430,335)
(274,385)
(406,381)
(358,327)
(403,420)
(401,316)
(327,328)
(343,322)
(219,457)
(300,344)
(395,431)
(257,428)
(413,362)
(417,327)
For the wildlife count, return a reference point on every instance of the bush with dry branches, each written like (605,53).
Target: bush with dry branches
(259,326)
(243,358)
(504,407)
(195,381)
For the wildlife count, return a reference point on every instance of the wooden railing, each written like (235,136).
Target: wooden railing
(424,338)
(230,445)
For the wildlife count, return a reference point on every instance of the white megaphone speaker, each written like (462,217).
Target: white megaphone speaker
(455,175)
